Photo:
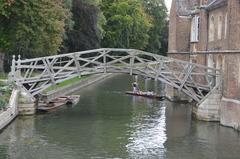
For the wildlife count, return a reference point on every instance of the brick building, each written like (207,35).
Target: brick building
(208,32)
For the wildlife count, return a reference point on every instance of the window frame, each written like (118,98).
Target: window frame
(220,27)
(195,27)
(211,29)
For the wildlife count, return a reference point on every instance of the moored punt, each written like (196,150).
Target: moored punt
(73,99)
(145,94)
(49,107)
(58,102)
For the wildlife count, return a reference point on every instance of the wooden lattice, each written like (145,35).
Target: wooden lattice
(35,75)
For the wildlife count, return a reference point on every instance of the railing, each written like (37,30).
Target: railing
(35,75)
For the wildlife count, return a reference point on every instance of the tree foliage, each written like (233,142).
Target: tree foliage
(39,27)
(159,31)
(127,24)
(32,28)
(87,31)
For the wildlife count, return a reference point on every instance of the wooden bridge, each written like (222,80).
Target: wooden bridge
(33,76)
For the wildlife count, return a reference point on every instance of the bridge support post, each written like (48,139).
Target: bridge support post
(26,105)
(209,109)
(175,95)
(105,63)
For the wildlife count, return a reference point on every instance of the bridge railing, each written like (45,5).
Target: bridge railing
(36,75)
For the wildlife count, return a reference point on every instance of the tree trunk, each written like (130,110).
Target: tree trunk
(1,62)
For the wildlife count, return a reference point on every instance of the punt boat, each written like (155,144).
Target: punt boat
(146,94)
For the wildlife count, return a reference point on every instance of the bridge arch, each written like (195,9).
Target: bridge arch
(35,75)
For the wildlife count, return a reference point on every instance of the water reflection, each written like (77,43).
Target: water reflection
(21,140)
(192,139)
(109,124)
(147,130)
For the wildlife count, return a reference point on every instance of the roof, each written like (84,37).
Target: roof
(213,4)
(186,7)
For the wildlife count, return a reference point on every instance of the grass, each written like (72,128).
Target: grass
(65,83)
(119,64)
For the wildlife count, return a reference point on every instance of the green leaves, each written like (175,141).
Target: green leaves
(32,28)
(159,31)
(127,24)
(39,27)
(140,24)
(5,93)
(87,31)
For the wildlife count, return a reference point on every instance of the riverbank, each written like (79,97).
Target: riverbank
(73,87)
(10,112)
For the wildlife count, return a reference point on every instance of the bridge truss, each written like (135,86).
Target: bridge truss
(35,75)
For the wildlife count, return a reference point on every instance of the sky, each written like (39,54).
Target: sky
(168,4)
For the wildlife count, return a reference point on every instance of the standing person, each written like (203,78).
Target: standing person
(135,87)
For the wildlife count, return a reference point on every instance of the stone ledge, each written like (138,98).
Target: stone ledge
(7,116)
(209,110)
(230,113)
(206,114)
(26,105)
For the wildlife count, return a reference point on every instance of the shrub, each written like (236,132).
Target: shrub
(3,103)
(5,93)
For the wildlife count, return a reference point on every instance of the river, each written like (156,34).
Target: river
(109,124)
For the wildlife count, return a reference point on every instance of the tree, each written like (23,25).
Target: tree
(159,32)
(32,28)
(69,24)
(87,31)
(127,24)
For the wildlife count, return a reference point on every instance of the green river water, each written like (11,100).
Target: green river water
(109,124)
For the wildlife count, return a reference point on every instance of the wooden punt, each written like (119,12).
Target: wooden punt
(73,99)
(49,107)
(58,102)
(144,94)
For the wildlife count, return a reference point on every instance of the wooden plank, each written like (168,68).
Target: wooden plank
(48,68)
(77,64)
(189,71)
(131,65)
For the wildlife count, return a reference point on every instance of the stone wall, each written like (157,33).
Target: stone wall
(11,111)
(230,113)
(209,109)
(183,57)
(179,32)
(234,24)
(26,105)
(219,43)
(172,41)
(183,34)
(230,108)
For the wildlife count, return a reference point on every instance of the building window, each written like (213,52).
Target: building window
(211,29)
(195,29)
(226,26)
(220,27)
